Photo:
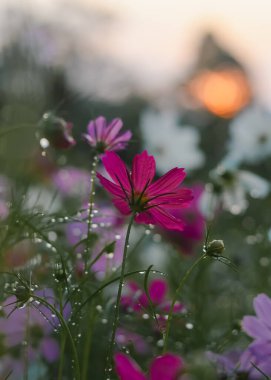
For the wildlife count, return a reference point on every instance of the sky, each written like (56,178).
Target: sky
(157,39)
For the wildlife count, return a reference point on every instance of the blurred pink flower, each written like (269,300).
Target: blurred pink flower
(193,232)
(134,192)
(105,137)
(135,299)
(165,367)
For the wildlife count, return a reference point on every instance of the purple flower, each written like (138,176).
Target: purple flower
(259,328)
(125,338)
(72,182)
(108,223)
(165,367)
(105,137)
(34,323)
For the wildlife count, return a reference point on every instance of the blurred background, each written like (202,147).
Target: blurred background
(192,80)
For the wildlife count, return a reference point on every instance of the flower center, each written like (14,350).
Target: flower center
(139,202)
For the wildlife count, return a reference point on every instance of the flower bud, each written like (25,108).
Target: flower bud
(55,131)
(215,247)
(22,294)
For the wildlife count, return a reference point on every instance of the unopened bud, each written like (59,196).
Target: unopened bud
(215,247)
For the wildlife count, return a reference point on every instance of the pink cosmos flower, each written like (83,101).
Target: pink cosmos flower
(165,367)
(105,137)
(188,240)
(134,191)
(135,299)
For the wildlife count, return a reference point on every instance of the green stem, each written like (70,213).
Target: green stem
(88,342)
(117,306)
(63,339)
(90,209)
(66,328)
(176,296)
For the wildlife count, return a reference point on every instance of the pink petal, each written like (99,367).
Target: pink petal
(168,182)
(166,220)
(166,367)
(262,306)
(110,186)
(113,129)
(145,218)
(96,128)
(116,169)
(121,141)
(256,328)
(179,199)
(127,369)
(122,206)
(157,291)
(143,171)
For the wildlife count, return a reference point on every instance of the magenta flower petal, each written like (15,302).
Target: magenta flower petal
(166,220)
(116,169)
(168,182)
(149,202)
(255,328)
(143,171)
(110,186)
(145,218)
(127,369)
(50,349)
(262,306)
(157,290)
(179,199)
(122,206)
(166,367)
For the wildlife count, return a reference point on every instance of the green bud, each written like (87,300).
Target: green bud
(215,247)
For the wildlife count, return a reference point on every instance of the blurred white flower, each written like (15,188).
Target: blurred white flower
(42,199)
(229,190)
(250,136)
(171,144)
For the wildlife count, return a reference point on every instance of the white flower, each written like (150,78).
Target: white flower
(229,190)
(42,199)
(171,144)
(250,136)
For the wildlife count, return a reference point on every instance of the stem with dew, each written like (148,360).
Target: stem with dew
(176,296)
(117,306)
(66,328)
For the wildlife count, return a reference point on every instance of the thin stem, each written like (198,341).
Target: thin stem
(176,296)
(63,339)
(90,208)
(87,346)
(66,328)
(117,306)
(26,342)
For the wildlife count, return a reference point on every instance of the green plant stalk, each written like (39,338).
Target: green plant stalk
(88,340)
(90,209)
(68,332)
(117,307)
(63,339)
(176,296)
